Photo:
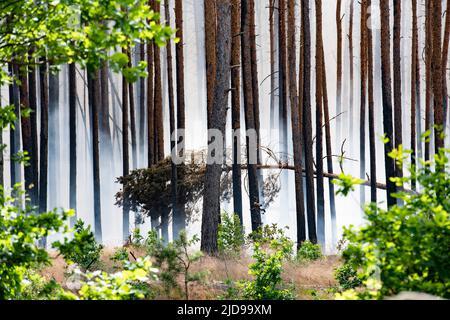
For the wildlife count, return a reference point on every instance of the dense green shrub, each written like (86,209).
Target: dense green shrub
(21,228)
(406,248)
(83,249)
(231,237)
(347,277)
(309,251)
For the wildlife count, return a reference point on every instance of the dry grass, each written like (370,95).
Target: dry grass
(311,280)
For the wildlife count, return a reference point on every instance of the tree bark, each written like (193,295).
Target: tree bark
(43,152)
(73,139)
(307,122)
(125,152)
(387,99)
(351,62)
(363,95)
(211,198)
(34,156)
(339,58)
(296,127)
(210,38)
(236,106)
(249,115)
(398,127)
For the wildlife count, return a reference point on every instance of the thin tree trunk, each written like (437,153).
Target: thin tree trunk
(236,106)
(272,4)
(444,64)
(142,110)
(362,119)
(282,71)
(43,152)
(73,139)
(437,75)
(339,18)
(34,156)
(372,139)
(151,151)
(296,133)
(307,122)
(27,144)
(387,99)
(172,120)
(319,128)
(398,127)
(249,115)
(134,149)
(351,62)
(428,76)
(211,198)
(414,82)
(179,222)
(14,134)
(125,151)
(210,38)
(94,102)
(158,104)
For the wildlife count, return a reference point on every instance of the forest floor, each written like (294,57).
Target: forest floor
(313,280)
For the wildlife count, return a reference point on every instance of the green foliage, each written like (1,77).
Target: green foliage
(129,284)
(309,251)
(36,287)
(175,259)
(120,256)
(266,234)
(406,248)
(21,228)
(136,238)
(267,269)
(231,237)
(87,32)
(347,277)
(83,249)
(346,184)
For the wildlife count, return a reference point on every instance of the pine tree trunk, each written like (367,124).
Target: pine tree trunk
(282,72)
(362,113)
(296,133)
(73,139)
(210,38)
(158,104)
(273,49)
(236,107)
(179,222)
(211,198)
(307,122)
(125,153)
(372,138)
(351,64)
(172,120)
(142,110)
(414,81)
(437,75)
(151,151)
(34,156)
(134,149)
(339,18)
(249,115)
(398,127)
(14,134)
(444,64)
(94,102)
(43,152)
(428,76)
(387,99)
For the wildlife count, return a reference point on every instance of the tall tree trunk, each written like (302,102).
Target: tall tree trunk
(387,99)
(236,106)
(125,152)
(372,139)
(249,115)
(362,113)
(339,18)
(307,122)
(134,149)
(398,127)
(158,104)
(179,222)
(151,151)
(34,156)
(437,75)
(326,113)
(415,81)
(211,198)
(210,38)
(172,120)
(43,152)
(351,63)
(142,108)
(428,76)
(296,127)
(445,49)
(27,144)
(273,49)
(73,139)
(94,102)
(319,128)
(14,134)
(282,72)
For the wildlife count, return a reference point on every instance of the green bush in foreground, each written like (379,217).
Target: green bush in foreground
(309,251)
(231,236)
(406,248)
